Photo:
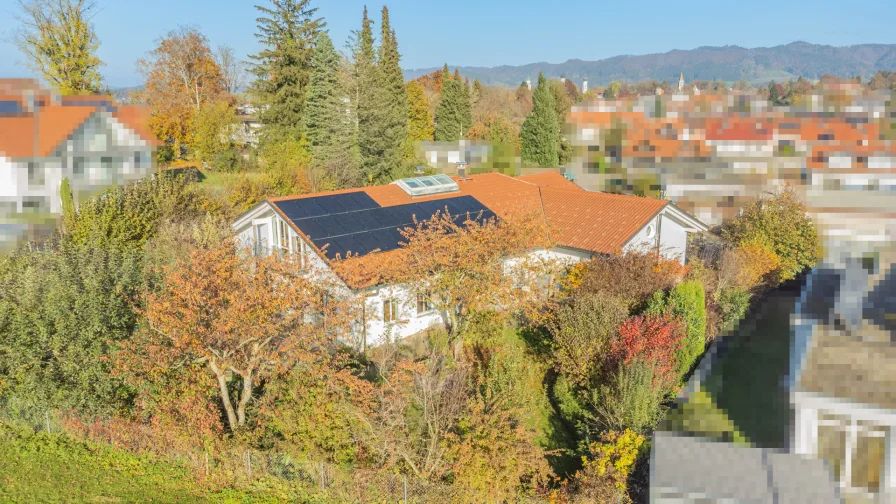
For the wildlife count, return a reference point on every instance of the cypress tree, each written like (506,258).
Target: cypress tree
(287,30)
(420,123)
(393,131)
(540,134)
(69,212)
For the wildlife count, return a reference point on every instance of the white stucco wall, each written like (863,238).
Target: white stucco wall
(665,231)
(100,136)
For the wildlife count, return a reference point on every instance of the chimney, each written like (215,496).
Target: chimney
(584,86)
(418,170)
(462,169)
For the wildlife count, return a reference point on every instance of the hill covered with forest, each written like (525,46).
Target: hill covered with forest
(729,63)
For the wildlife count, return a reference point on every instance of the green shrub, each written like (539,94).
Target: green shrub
(629,399)
(227,161)
(733,304)
(781,221)
(688,301)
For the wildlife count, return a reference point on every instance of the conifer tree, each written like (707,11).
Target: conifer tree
(326,122)
(370,113)
(447,124)
(393,131)
(286,30)
(454,115)
(420,123)
(540,134)
(477,91)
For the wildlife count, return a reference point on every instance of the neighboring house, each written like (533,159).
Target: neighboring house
(321,229)
(686,469)
(444,156)
(843,374)
(45,138)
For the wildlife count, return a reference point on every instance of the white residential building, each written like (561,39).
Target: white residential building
(321,229)
(45,138)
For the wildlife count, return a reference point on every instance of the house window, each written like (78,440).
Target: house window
(297,250)
(390,310)
(141,160)
(261,240)
(107,164)
(78,166)
(854,450)
(35,174)
(423,304)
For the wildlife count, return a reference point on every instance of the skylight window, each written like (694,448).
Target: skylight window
(422,186)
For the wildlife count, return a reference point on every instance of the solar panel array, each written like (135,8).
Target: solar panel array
(354,222)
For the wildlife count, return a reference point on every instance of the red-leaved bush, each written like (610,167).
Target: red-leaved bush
(654,338)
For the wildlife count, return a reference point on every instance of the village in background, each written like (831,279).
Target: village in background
(308,278)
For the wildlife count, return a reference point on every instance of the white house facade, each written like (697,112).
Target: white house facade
(87,140)
(321,229)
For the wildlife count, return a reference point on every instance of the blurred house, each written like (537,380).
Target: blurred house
(711,154)
(45,138)
(843,374)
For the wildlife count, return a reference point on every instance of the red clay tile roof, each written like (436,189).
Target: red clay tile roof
(593,221)
(550,179)
(136,119)
(598,222)
(40,135)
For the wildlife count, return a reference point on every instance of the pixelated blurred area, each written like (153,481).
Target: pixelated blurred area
(713,153)
(45,138)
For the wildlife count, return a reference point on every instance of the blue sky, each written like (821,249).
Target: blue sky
(489,32)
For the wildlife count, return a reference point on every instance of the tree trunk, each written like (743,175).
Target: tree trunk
(244,397)
(225,396)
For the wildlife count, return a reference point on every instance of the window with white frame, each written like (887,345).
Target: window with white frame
(390,310)
(281,236)
(854,451)
(260,232)
(298,250)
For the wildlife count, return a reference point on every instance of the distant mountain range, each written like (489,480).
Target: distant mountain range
(729,63)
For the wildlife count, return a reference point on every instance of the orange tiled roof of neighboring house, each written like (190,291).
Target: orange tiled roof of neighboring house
(40,135)
(136,119)
(739,129)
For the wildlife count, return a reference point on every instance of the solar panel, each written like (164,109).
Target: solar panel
(354,222)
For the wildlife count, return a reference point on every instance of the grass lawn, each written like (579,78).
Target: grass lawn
(40,467)
(744,398)
(54,468)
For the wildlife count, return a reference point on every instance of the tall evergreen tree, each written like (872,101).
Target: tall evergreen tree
(454,115)
(287,30)
(540,134)
(448,127)
(370,113)
(326,121)
(420,124)
(394,128)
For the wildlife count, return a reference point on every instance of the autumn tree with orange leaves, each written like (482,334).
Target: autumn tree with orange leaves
(182,78)
(467,265)
(239,321)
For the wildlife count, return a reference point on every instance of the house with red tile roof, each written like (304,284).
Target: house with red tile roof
(322,229)
(45,138)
